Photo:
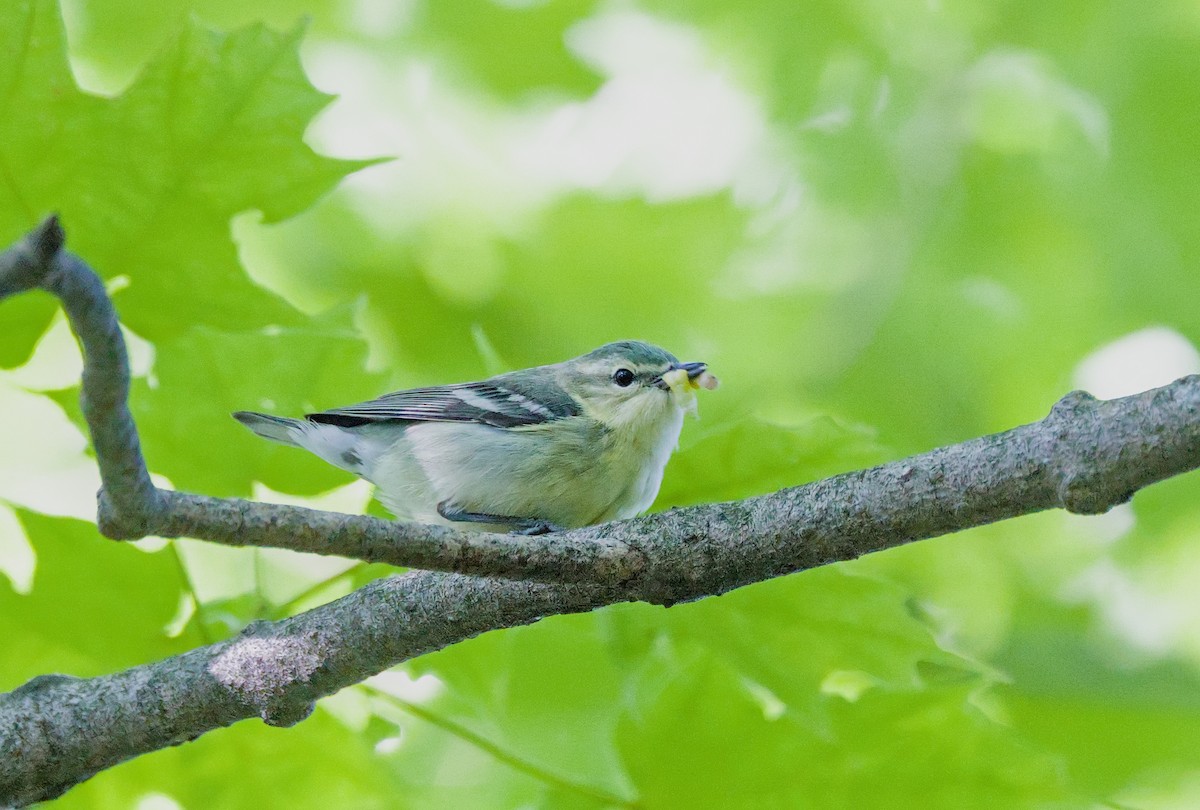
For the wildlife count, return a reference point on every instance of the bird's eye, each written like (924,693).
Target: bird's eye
(623,377)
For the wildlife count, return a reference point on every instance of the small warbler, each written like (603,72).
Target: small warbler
(553,447)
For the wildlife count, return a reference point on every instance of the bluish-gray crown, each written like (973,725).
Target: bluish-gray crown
(635,352)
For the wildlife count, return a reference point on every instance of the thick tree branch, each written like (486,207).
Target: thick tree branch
(56,731)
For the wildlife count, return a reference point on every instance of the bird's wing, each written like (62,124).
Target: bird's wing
(498,402)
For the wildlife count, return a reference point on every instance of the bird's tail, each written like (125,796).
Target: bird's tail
(276,428)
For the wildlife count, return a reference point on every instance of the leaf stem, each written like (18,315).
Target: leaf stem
(288,607)
(186,579)
(509,759)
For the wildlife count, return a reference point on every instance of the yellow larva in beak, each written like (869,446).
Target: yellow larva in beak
(678,382)
(686,380)
(693,376)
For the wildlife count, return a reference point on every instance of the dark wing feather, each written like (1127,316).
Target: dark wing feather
(506,401)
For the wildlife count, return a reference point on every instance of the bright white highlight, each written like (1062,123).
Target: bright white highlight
(1136,362)
(1144,619)
(17,557)
(667,124)
(50,472)
(157,801)
(399,683)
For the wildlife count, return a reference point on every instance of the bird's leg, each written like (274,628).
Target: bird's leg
(517,525)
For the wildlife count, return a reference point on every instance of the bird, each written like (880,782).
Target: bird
(543,449)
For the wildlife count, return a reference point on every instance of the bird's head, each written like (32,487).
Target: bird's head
(631,383)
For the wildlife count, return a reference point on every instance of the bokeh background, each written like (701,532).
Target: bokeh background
(888,225)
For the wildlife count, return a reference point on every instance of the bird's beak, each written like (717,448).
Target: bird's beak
(686,375)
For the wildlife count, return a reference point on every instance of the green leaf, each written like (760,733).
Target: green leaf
(799,638)
(700,734)
(702,740)
(741,457)
(204,375)
(1076,692)
(25,318)
(510,48)
(147,182)
(319,763)
(80,617)
(556,715)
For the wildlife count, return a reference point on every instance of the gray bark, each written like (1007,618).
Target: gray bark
(57,731)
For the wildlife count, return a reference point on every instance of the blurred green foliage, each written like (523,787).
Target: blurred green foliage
(887,226)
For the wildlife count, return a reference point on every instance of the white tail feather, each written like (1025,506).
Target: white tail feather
(342,447)
(276,428)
